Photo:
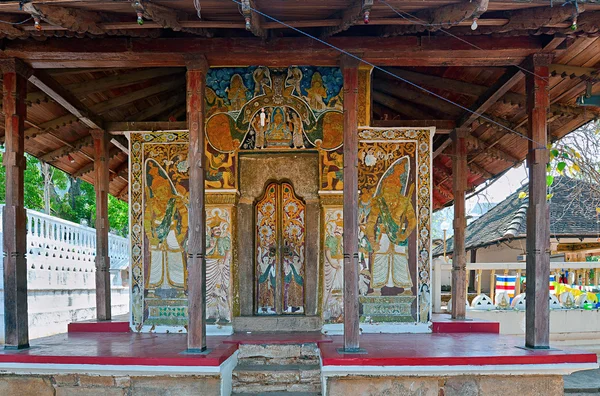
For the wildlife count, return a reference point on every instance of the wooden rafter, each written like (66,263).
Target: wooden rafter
(512,76)
(67,149)
(120,171)
(399,106)
(66,99)
(401,91)
(114,151)
(151,112)
(118,128)
(475,143)
(349,16)
(442,147)
(166,17)
(253,20)
(121,143)
(442,127)
(74,19)
(473,90)
(107,106)
(442,17)
(81,89)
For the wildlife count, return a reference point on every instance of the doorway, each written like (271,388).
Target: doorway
(280,251)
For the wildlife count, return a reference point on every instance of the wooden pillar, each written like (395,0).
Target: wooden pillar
(493,285)
(351,315)
(479,273)
(518,283)
(537,323)
(15,74)
(459,257)
(196,262)
(101,173)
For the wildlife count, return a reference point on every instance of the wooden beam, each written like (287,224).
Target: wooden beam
(459,256)
(399,106)
(469,89)
(196,246)
(349,16)
(584,73)
(84,88)
(402,91)
(442,127)
(442,147)
(66,99)
(498,89)
(477,144)
(165,17)
(253,21)
(537,315)
(114,151)
(16,324)
(394,51)
(350,213)
(120,171)
(151,112)
(121,143)
(106,106)
(68,149)
(442,17)
(119,128)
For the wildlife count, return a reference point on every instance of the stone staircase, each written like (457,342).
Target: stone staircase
(277,369)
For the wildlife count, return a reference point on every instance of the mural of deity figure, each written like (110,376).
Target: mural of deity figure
(218,170)
(294,78)
(165,226)
(236,92)
(390,222)
(334,266)
(316,93)
(218,260)
(278,132)
(266,283)
(298,136)
(333,170)
(262,79)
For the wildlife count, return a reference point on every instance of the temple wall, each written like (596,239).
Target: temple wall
(268,127)
(466,385)
(78,384)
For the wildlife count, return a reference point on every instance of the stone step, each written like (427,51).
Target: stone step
(276,378)
(279,354)
(287,389)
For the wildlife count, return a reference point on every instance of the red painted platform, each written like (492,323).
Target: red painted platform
(119,349)
(118,324)
(443,323)
(445,350)
(277,338)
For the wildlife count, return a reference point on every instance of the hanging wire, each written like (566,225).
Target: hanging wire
(421,22)
(392,74)
(17,23)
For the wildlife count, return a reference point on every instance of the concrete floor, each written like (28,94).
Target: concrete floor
(583,383)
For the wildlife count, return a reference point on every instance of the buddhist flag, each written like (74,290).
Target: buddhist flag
(506,283)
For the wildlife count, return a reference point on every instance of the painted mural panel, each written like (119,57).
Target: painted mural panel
(333,265)
(159,228)
(258,108)
(293,235)
(394,210)
(266,251)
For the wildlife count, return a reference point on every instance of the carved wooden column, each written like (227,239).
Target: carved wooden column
(459,257)
(15,74)
(101,173)
(537,323)
(196,262)
(350,239)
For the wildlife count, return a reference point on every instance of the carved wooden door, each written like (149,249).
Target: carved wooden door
(279,251)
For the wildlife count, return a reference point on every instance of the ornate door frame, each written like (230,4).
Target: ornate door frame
(256,170)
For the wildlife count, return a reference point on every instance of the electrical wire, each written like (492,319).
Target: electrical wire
(17,23)
(391,74)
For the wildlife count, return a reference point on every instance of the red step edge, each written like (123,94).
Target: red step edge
(98,327)
(466,326)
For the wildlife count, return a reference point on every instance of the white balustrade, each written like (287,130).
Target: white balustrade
(60,245)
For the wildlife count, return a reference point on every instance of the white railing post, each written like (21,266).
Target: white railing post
(437,285)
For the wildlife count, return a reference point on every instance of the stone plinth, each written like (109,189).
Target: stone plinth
(387,308)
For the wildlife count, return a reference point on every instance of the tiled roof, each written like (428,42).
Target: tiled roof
(572,213)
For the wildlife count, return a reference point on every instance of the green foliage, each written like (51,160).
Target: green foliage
(77,204)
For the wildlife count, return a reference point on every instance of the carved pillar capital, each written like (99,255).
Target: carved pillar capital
(196,62)
(14,65)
